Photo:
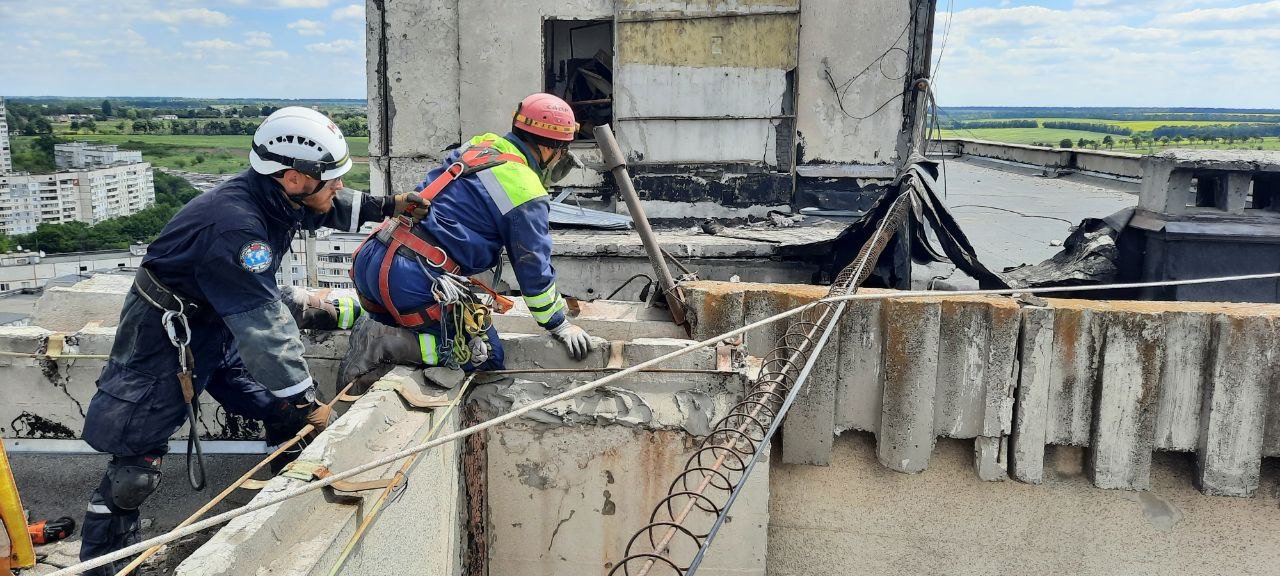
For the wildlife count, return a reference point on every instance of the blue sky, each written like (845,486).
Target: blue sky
(220,49)
(1221,53)
(1216,53)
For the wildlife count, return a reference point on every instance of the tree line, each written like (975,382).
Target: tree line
(994,124)
(33,119)
(1116,113)
(172,193)
(1220,131)
(1090,127)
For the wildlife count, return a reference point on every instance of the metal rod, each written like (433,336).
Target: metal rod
(584,370)
(617,165)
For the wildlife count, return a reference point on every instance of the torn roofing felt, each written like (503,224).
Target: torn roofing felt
(1089,254)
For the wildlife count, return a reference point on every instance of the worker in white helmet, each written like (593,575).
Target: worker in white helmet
(205,313)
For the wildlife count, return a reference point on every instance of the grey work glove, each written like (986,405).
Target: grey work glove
(375,349)
(575,339)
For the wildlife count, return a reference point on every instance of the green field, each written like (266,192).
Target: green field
(359,144)
(1135,125)
(1052,136)
(1023,135)
(205,154)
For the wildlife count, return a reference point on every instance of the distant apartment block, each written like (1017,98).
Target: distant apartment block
(6,157)
(89,195)
(84,155)
(31,269)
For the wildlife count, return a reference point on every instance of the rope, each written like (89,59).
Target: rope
(399,479)
(589,386)
(281,449)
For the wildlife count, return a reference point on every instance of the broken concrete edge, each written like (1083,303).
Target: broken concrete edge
(301,534)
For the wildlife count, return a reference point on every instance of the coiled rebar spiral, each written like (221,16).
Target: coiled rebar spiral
(683,523)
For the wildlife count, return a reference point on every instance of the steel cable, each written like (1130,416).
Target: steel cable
(739,439)
(589,386)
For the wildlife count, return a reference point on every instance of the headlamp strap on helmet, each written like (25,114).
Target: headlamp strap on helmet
(312,168)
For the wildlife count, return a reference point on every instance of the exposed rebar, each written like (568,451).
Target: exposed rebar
(737,441)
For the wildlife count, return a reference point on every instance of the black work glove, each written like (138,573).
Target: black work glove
(409,204)
(302,409)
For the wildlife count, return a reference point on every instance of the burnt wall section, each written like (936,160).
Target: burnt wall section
(1122,379)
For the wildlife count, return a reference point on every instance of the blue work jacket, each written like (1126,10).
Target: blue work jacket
(472,220)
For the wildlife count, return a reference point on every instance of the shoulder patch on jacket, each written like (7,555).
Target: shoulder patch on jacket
(255,256)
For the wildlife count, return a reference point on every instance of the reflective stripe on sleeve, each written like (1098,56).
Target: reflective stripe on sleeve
(427,345)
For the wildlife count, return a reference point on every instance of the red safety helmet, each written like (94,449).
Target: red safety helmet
(546,116)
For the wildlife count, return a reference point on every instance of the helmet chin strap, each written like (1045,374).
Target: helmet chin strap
(298,198)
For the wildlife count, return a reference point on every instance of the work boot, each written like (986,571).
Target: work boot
(375,348)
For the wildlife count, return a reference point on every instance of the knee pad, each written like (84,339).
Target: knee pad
(133,479)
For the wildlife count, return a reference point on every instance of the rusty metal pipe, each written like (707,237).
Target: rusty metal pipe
(617,165)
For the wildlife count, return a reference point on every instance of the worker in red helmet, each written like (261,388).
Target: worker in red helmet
(487,196)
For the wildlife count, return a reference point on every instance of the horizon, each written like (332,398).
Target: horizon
(987,53)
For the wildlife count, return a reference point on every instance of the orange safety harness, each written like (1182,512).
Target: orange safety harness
(402,236)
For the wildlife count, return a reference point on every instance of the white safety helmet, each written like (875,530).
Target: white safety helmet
(301,139)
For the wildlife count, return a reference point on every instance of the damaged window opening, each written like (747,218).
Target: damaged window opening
(1264,193)
(1208,191)
(578,66)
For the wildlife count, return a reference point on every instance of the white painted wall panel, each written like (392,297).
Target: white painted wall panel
(686,141)
(648,90)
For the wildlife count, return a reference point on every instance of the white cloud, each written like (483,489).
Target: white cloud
(302,3)
(271,55)
(1246,14)
(307,27)
(212,44)
(203,16)
(349,12)
(134,39)
(257,39)
(335,47)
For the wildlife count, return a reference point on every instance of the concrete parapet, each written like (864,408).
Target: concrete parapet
(859,391)
(1124,379)
(1073,372)
(96,299)
(1128,393)
(1121,166)
(1030,423)
(566,500)
(911,350)
(1233,417)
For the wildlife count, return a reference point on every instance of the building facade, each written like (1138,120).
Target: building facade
(6,156)
(84,155)
(89,195)
(721,108)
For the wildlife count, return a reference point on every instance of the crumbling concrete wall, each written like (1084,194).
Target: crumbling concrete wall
(441,71)
(307,534)
(1125,379)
